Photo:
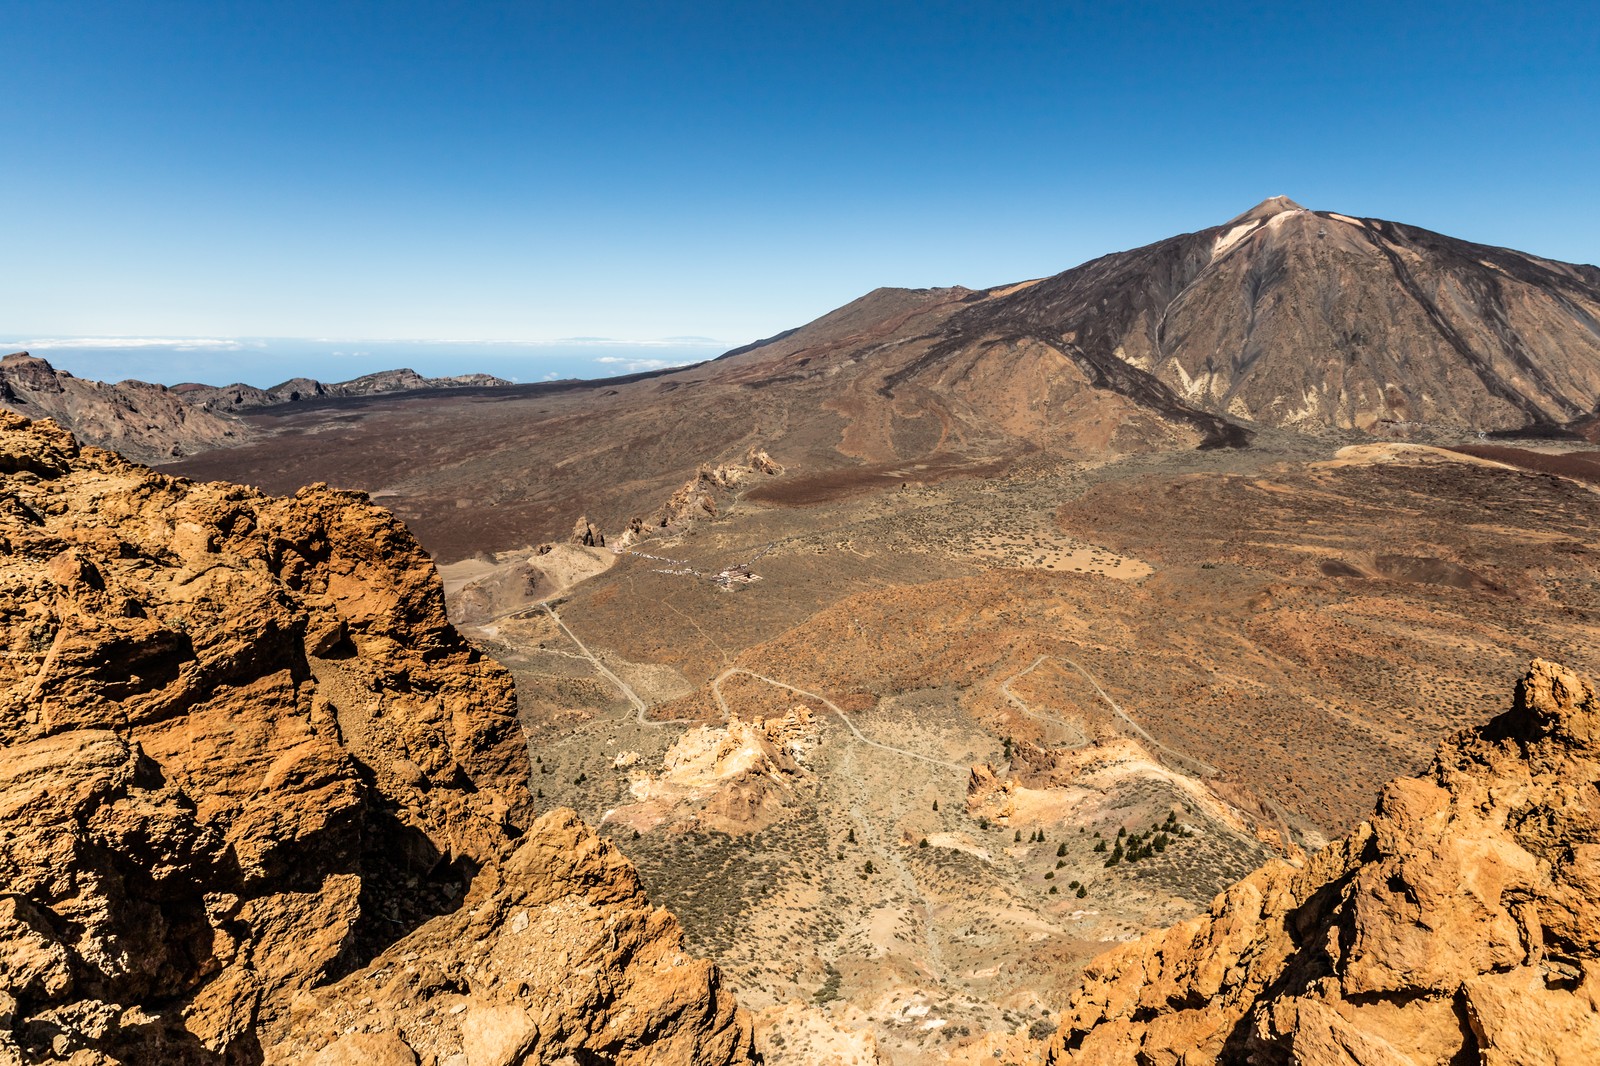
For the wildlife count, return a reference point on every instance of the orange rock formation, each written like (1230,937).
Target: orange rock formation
(243,755)
(1460,924)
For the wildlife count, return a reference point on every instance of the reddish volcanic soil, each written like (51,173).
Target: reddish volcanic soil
(1581,465)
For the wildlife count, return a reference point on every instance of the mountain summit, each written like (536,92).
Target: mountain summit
(1272,205)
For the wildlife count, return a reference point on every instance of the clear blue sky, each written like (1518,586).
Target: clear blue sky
(703,174)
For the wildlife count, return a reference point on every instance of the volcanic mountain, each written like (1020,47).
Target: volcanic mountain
(1282,317)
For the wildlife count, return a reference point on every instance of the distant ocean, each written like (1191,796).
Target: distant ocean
(268,361)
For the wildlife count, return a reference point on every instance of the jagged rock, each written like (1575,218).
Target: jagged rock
(1462,923)
(586,535)
(760,461)
(241,753)
(698,497)
(565,907)
(733,777)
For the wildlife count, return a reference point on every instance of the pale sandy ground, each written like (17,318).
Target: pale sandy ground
(1064,556)
(563,566)
(1397,452)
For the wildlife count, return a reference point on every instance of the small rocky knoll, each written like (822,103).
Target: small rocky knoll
(1459,924)
(259,802)
(734,778)
(698,498)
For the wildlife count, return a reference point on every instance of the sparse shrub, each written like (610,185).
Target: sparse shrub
(935,804)
(983,823)
(830,988)
(1082,891)
(923,842)
(1061,849)
(1053,890)
(1101,846)
(1049,875)
(850,837)
(1017,839)
(635,834)
(580,779)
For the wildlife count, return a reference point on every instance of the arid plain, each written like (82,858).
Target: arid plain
(1002,665)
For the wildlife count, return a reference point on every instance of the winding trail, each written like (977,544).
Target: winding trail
(605,671)
(893,859)
(716,690)
(1205,769)
(1022,705)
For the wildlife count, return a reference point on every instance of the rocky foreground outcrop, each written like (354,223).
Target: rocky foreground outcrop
(260,803)
(1460,924)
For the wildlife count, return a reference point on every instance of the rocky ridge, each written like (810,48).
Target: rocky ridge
(249,770)
(699,498)
(154,423)
(143,421)
(1458,924)
(241,397)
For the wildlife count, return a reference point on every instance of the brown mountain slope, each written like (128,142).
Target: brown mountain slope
(510,467)
(1458,925)
(143,421)
(242,753)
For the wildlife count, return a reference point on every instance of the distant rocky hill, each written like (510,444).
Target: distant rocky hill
(1460,924)
(154,423)
(259,802)
(143,421)
(239,397)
